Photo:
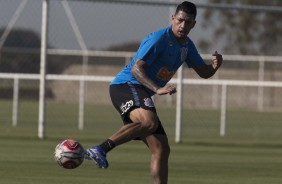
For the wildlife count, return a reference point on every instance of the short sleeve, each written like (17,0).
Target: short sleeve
(149,49)
(193,57)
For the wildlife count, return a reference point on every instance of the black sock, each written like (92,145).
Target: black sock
(108,145)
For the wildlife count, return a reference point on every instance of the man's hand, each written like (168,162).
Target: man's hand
(216,60)
(167,89)
(206,71)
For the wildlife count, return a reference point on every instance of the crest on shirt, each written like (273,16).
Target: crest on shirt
(184,52)
(170,43)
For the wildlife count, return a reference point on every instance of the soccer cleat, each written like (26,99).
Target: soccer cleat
(98,155)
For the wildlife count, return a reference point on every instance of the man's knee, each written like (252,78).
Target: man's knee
(148,119)
(150,125)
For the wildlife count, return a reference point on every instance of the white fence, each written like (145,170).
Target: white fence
(260,83)
(179,81)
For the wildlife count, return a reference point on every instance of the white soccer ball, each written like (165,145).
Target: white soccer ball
(69,154)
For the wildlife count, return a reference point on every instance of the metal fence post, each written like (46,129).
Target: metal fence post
(43,61)
(223,110)
(261,74)
(15,102)
(179,105)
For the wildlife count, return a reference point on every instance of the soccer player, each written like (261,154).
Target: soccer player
(159,56)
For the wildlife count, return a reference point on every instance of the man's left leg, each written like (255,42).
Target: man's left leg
(159,147)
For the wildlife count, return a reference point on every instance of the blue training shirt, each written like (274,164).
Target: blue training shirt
(163,55)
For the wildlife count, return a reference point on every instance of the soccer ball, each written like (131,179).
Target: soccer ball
(69,154)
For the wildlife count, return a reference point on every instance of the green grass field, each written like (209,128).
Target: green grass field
(250,153)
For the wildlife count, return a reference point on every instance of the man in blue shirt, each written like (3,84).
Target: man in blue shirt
(159,56)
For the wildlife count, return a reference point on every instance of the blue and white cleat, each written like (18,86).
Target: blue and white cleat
(98,155)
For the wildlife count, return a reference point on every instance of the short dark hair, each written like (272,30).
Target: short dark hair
(187,7)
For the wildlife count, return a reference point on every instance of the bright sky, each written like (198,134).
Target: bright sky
(100,24)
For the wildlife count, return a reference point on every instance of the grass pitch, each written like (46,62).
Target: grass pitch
(247,155)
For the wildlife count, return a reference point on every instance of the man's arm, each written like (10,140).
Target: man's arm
(138,70)
(207,71)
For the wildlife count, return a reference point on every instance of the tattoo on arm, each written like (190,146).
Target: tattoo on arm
(138,70)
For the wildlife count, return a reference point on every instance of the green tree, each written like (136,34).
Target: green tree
(244,31)
(27,57)
(20,62)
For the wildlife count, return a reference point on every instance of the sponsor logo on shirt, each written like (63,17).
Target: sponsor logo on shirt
(165,74)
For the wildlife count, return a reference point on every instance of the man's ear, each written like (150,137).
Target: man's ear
(172,17)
